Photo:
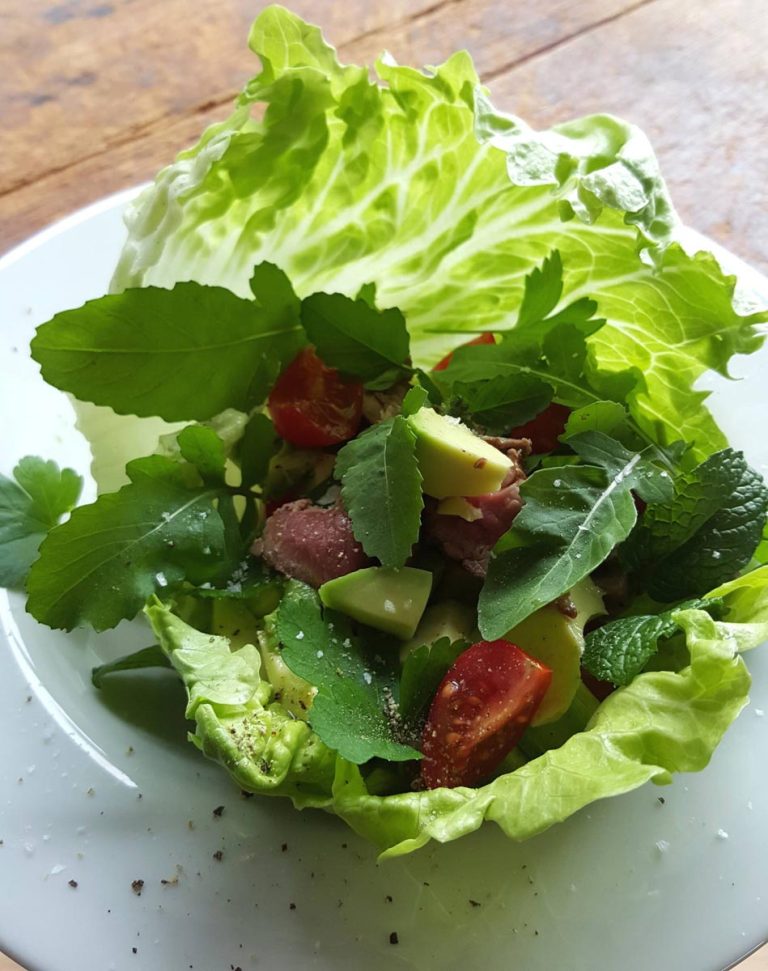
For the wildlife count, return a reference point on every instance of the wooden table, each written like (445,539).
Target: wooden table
(97,94)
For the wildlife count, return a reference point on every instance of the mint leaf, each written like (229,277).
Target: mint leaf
(185,353)
(203,448)
(571,519)
(706,534)
(355,709)
(642,471)
(258,446)
(618,651)
(504,401)
(423,670)
(102,565)
(360,341)
(381,489)
(29,506)
(147,657)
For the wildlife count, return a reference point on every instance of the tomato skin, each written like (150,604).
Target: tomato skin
(482,707)
(486,338)
(545,429)
(312,406)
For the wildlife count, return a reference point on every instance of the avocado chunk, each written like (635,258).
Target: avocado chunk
(387,599)
(452,459)
(447,619)
(458,506)
(558,641)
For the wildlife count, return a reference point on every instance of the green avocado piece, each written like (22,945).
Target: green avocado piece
(446,619)
(538,740)
(453,460)
(558,641)
(391,600)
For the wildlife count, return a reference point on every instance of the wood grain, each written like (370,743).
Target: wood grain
(118,126)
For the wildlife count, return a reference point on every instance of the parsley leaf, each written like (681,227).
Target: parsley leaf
(355,710)
(147,657)
(571,519)
(381,489)
(185,353)
(102,565)
(706,534)
(618,651)
(357,339)
(29,506)
(641,470)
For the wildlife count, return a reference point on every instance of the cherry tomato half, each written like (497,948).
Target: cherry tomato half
(482,707)
(544,429)
(312,406)
(481,339)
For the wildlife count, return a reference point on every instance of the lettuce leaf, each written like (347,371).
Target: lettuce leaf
(420,186)
(663,722)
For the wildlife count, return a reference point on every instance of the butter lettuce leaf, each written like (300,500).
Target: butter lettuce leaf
(415,182)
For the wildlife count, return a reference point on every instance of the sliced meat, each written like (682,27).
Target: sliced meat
(310,543)
(471,542)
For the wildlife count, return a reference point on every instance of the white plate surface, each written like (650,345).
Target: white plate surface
(96,791)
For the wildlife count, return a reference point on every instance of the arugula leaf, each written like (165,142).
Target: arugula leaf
(618,651)
(29,506)
(641,470)
(571,519)
(423,670)
(147,657)
(609,417)
(543,288)
(259,444)
(381,489)
(203,448)
(185,353)
(103,563)
(504,401)
(414,400)
(367,292)
(706,534)
(355,709)
(361,341)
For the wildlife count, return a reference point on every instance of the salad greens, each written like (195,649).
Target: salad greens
(372,227)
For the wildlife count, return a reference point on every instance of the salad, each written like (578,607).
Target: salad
(395,425)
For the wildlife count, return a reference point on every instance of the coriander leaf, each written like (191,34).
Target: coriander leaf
(641,470)
(259,444)
(355,710)
(29,506)
(147,657)
(706,534)
(414,400)
(571,519)
(618,651)
(185,353)
(423,670)
(107,559)
(360,341)
(381,489)
(203,448)
(503,402)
